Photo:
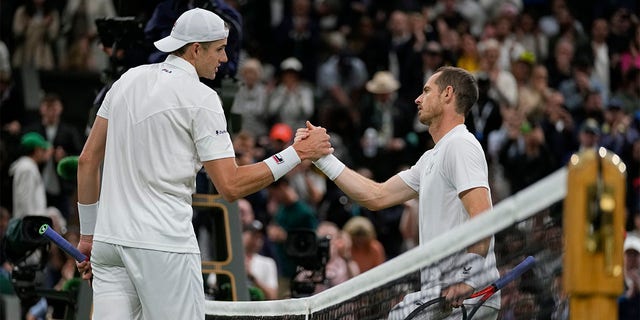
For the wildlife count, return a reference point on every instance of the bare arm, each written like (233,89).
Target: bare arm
(374,195)
(89,163)
(89,183)
(234,182)
(477,201)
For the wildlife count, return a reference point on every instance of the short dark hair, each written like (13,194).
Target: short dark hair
(464,84)
(182,50)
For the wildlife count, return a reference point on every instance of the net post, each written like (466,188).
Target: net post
(594,218)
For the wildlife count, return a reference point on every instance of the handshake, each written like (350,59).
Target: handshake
(313,143)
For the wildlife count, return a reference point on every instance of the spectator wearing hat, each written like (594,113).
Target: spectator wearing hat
(629,302)
(291,102)
(29,196)
(589,135)
(385,125)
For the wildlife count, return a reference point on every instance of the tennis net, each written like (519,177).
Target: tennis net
(527,223)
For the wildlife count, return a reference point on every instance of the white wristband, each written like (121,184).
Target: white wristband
(330,165)
(88,214)
(470,269)
(282,162)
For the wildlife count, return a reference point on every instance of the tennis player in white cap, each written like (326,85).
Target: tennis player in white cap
(156,127)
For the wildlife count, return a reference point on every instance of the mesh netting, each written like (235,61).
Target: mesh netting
(526,224)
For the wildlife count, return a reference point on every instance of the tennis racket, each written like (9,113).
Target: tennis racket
(61,242)
(438,308)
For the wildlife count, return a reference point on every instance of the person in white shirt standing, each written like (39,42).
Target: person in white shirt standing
(155,129)
(451,184)
(29,196)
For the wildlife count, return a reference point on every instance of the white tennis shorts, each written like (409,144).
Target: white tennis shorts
(133,283)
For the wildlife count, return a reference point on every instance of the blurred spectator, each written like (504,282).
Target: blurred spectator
(340,267)
(525,156)
(628,94)
(504,88)
(29,196)
(280,136)
(423,31)
(600,54)
(262,271)
(592,107)
(469,58)
(386,126)
(341,77)
(559,129)
(309,183)
(629,302)
(35,29)
(589,135)
(630,58)
(560,297)
(289,212)
(81,49)
(560,64)
(533,95)
(292,100)
(298,35)
(366,250)
(621,33)
(432,59)
(248,152)
(529,35)
(509,46)
(65,141)
(522,67)
(484,116)
(251,99)
(576,89)
(394,50)
(618,133)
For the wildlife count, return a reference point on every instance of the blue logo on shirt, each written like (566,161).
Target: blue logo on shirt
(219,132)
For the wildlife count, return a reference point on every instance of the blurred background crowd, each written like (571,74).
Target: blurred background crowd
(555,77)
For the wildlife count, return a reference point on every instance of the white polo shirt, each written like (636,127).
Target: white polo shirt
(162,123)
(455,164)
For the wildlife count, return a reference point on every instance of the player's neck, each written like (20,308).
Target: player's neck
(439,129)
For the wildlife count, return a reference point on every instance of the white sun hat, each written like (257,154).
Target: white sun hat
(195,25)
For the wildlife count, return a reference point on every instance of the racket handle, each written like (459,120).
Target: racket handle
(61,242)
(516,272)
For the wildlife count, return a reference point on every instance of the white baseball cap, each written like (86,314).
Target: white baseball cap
(195,25)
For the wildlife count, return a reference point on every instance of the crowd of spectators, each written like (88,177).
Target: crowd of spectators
(555,77)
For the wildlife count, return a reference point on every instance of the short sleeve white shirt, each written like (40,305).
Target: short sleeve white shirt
(455,164)
(162,123)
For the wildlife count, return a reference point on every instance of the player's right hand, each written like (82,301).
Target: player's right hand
(84,245)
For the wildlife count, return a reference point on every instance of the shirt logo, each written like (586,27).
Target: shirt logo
(166,70)
(278,158)
(219,132)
